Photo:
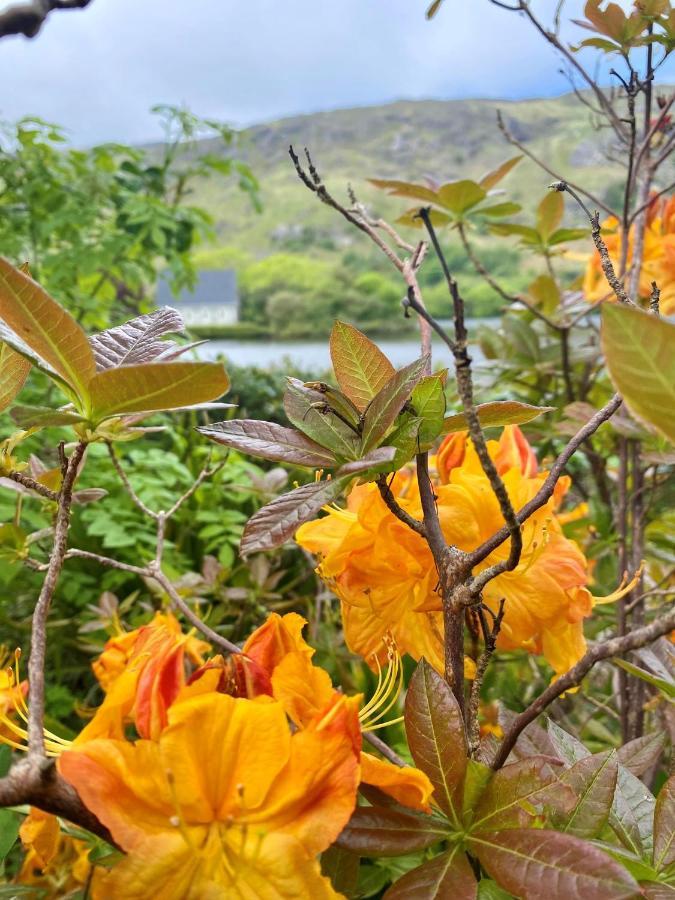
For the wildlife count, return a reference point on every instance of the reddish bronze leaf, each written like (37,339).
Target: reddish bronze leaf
(268,440)
(446,877)
(533,864)
(361,368)
(436,737)
(382,831)
(664,826)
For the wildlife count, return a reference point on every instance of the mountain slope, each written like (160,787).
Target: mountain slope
(407,139)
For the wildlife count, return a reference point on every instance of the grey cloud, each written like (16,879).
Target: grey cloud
(98,71)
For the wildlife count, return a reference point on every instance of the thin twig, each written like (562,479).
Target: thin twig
(490,638)
(32,485)
(465,389)
(545,492)
(128,486)
(387,495)
(384,749)
(407,267)
(605,259)
(616,646)
(177,601)
(542,165)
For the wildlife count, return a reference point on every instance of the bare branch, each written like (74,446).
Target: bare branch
(465,389)
(542,165)
(545,492)
(356,216)
(36,661)
(178,602)
(605,260)
(128,486)
(32,485)
(387,495)
(616,646)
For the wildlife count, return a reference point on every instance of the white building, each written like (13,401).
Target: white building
(213,301)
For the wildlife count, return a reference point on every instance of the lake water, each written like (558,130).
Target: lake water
(313,356)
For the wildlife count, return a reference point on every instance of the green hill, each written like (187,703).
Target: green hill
(305,247)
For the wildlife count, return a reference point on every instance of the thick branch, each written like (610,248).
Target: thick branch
(606,650)
(38,648)
(36,782)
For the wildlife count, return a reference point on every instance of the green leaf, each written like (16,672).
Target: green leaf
(528,234)
(593,781)
(509,798)
(497,414)
(42,416)
(531,863)
(667,687)
(490,890)
(549,214)
(308,410)
(640,352)
(476,778)
(664,826)
(158,386)
(14,369)
(412,218)
(268,440)
(381,831)
(405,437)
(447,875)
(428,400)
(385,407)
(564,235)
(10,822)
(499,209)
(492,178)
(435,732)
(545,294)
(361,368)
(405,189)
(460,196)
(277,522)
(50,331)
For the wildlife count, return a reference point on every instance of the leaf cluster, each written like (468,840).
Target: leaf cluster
(558,820)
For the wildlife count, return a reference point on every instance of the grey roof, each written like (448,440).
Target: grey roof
(214,287)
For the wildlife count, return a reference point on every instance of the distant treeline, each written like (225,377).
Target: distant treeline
(291,294)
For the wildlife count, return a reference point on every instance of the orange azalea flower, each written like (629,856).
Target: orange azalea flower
(658,261)
(117,652)
(54,862)
(281,663)
(143,677)
(227,802)
(385,577)
(14,710)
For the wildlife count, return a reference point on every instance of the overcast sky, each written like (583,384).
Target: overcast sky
(99,70)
